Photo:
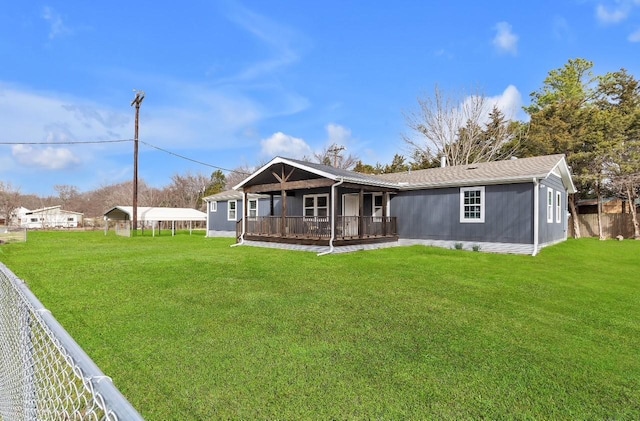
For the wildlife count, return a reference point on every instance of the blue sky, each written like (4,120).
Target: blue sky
(236,83)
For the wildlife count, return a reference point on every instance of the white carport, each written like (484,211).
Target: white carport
(154,215)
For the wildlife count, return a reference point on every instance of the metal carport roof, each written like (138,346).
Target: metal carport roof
(155,214)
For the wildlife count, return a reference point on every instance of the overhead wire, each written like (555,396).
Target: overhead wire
(74,142)
(95,142)
(191,159)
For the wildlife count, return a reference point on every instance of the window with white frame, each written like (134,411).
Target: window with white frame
(558,207)
(231,210)
(377,205)
(213,206)
(316,205)
(549,204)
(253,208)
(472,204)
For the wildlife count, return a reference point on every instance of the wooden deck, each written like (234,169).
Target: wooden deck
(350,230)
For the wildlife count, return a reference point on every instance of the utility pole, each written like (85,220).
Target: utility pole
(335,150)
(136,101)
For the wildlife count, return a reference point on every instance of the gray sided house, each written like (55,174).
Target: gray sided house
(225,210)
(513,206)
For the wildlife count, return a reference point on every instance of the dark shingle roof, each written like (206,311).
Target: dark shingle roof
(347,175)
(509,171)
(496,172)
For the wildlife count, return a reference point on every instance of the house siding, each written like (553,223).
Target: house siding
(552,232)
(435,215)
(218,225)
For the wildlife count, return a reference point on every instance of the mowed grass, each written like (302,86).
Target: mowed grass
(190,328)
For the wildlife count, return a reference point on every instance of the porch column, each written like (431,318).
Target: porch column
(385,211)
(270,204)
(361,213)
(283,219)
(245,211)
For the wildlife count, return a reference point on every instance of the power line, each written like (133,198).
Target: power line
(193,160)
(97,142)
(88,142)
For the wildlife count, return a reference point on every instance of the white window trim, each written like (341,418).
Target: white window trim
(558,207)
(315,204)
(249,210)
(214,206)
(549,205)
(482,200)
(229,218)
(373,203)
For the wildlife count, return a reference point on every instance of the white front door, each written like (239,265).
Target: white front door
(350,211)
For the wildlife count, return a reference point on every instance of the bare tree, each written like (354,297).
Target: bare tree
(464,129)
(66,192)
(238,174)
(185,191)
(9,201)
(333,156)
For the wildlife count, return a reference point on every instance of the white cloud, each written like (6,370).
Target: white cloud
(280,144)
(505,40)
(49,157)
(612,16)
(57,26)
(561,28)
(338,134)
(278,39)
(616,14)
(509,102)
(29,117)
(634,36)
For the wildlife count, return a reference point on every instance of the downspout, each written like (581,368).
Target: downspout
(244,221)
(536,214)
(333,217)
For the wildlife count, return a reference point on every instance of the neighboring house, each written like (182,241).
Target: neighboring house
(513,206)
(51,217)
(225,210)
(17,216)
(608,205)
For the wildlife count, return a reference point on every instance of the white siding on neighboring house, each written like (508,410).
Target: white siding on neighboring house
(51,217)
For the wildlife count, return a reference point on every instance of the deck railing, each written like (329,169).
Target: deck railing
(365,226)
(319,227)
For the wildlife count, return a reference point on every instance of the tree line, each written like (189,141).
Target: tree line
(594,120)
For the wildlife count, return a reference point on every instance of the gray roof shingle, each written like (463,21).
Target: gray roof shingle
(495,172)
(513,170)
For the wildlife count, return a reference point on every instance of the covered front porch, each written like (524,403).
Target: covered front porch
(312,204)
(317,230)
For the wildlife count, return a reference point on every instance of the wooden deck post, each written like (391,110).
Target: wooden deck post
(245,210)
(361,213)
(385,200)
(283,219)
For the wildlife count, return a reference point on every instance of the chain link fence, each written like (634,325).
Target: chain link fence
(44,374)
(12,235)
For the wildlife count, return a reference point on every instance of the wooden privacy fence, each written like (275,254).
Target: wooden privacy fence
(613,224)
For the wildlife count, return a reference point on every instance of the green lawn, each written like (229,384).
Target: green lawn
(190,328)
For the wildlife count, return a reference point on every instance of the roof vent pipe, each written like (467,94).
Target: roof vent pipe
(443,161)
